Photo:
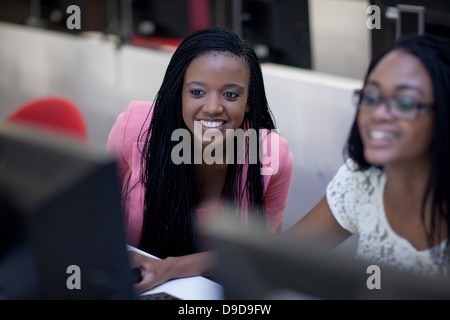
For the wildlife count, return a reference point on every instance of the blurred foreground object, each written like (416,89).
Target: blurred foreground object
(61,225)
(255,266)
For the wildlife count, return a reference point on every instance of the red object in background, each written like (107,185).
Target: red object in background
(199,14)
(162,43)
(52,113)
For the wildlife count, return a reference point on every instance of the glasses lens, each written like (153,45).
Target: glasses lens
(405,108)
(368,100)
(406,105)
(371,99)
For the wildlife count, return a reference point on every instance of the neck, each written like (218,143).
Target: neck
(404,203)
(405,189)
(407,182)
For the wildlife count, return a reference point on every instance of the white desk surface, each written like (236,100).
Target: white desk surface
(192,288)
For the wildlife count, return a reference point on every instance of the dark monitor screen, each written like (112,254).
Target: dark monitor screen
(410,23)
(256,266)
(61,229)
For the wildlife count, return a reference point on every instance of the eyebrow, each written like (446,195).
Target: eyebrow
(400,87)
(228,85)
(195,83)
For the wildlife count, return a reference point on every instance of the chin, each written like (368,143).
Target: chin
(377,159)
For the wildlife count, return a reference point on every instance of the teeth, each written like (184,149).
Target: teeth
(378,135)
(211,124)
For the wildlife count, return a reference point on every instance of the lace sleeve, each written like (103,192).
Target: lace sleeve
(342,195)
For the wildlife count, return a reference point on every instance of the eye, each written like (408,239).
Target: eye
(406,104)
(371,98)
(197,92)
(230,95)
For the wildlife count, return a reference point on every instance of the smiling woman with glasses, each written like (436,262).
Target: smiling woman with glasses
(394,189)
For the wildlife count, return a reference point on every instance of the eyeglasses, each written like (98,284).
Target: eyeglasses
(401,108)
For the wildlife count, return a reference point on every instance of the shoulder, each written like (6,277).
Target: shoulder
(350,173)
(137,114)
(128,126)
(276,153)
(352,192)
(273,136)
(139,107)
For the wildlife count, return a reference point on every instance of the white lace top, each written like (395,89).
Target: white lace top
(356,200)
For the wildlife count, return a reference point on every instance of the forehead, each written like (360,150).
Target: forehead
(399,68)
(218,61)
(223,54)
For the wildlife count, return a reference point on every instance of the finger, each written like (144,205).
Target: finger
(146,284)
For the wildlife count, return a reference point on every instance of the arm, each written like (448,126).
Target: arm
(124,136)
(155,271)
(320,224)
(277,186)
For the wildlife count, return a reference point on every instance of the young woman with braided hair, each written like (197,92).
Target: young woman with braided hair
(213,83)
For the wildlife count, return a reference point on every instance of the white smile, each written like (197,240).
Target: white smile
(381,135)
(211,124)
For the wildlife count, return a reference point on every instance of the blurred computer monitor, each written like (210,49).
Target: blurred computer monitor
(61,229)
(256,266)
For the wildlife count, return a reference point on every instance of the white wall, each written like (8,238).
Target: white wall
(340,39)
(35,63)
(313,112)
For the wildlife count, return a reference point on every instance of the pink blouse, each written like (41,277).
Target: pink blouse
(123,142)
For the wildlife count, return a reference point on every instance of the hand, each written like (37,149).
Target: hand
(153,271)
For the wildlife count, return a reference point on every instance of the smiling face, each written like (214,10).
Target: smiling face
(215,93)
(388,140)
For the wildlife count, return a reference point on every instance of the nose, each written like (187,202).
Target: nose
(213,104)
(383,110)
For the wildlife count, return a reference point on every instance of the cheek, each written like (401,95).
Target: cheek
(422,134)
(186,112)
(422,140)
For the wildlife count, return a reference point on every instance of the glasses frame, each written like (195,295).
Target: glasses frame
(357,99)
